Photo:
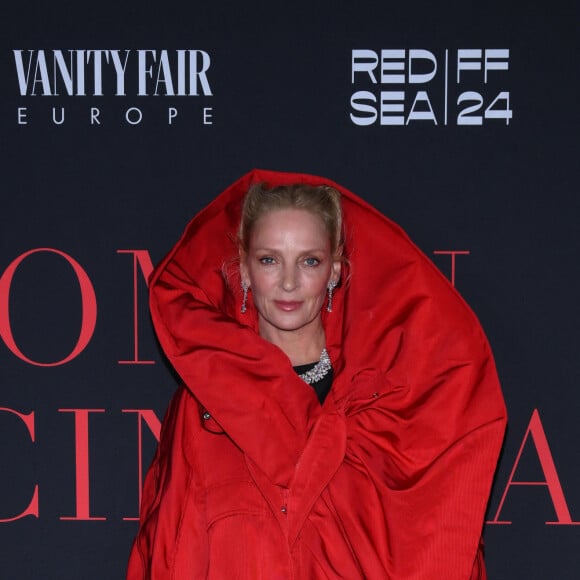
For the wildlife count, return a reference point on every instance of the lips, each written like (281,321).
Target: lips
(288,306)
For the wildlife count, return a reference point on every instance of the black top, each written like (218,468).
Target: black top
(322,387)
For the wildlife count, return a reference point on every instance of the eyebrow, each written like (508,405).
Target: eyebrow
(274,251)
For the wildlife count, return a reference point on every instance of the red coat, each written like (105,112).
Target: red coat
(254,479)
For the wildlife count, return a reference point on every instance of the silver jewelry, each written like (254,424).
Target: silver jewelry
(331,286)
(319,371)
(245,287)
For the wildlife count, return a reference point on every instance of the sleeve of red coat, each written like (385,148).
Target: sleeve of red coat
(428,432)
(170,504)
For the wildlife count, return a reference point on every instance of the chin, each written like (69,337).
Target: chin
(290,323)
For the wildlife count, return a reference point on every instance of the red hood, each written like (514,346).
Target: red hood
(396,320)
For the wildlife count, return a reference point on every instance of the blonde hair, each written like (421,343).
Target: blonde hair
(322,201)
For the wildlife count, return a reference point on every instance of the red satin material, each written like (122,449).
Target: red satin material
(389,479)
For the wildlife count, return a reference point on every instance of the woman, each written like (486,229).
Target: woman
(377,465)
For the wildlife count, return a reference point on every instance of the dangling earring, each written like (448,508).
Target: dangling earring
(331,286)
(245,287)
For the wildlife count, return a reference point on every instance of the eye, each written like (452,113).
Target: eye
(312,261)
(266,260)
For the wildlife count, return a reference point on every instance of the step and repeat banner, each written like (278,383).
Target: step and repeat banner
(119,122)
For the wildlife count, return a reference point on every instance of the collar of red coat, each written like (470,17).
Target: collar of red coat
(395,322)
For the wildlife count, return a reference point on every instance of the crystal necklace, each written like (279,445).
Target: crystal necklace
(319,371)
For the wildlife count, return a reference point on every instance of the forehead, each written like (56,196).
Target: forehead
(290,226)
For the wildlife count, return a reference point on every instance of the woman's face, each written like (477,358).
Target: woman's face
(288,267)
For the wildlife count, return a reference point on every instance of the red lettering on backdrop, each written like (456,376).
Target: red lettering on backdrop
(154,425)
(82,463)
(552,481)
(88,301)
(32,509)
(452,253)
(141,261)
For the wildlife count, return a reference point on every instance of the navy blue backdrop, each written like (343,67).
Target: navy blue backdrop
(119,122)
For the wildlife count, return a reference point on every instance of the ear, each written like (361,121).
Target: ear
(335,271)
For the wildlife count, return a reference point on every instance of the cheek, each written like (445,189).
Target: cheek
(317,287)
(261,284)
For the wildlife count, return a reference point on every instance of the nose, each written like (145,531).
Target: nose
(289,278)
